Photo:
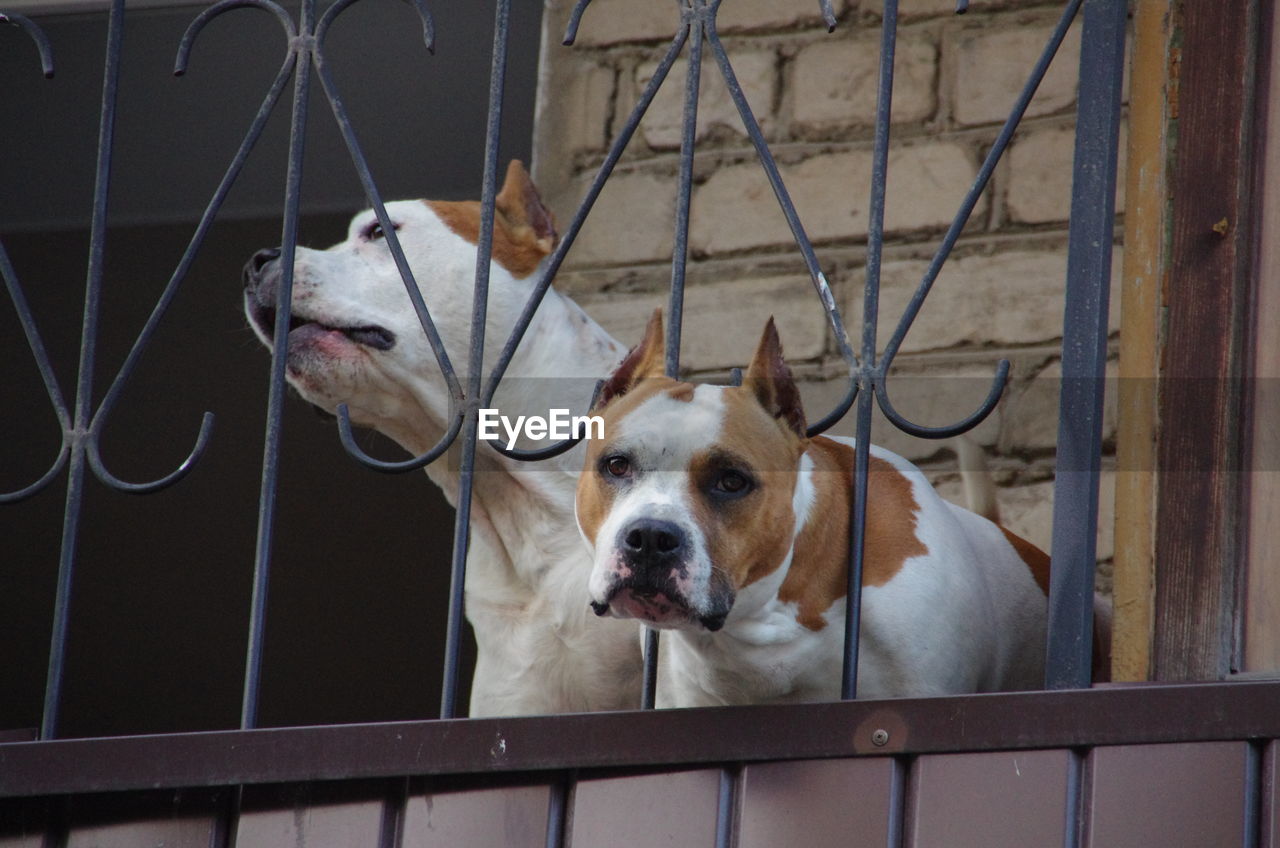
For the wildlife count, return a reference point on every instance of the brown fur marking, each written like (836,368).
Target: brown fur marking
(817,578)
(749,537)
(1037,560)
(513,248)
(682,393)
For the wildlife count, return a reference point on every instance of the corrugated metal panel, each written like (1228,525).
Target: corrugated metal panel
(173,819)
(1171,796)
(315,816)
(1013,798)
(510,817)
(647,811)
(815,803)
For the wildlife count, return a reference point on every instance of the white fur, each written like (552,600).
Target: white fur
(540,650)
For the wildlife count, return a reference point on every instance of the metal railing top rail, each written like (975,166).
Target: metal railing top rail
(1092,211)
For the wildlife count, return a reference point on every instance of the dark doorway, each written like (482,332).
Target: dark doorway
(162,584)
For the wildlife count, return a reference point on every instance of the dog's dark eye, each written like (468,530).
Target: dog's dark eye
(617,466)
(733,483)
(374,231)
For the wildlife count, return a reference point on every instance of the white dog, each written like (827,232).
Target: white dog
(356,339)
(710,513)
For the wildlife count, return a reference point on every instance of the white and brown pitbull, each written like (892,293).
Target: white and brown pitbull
(356,339)
(710,514)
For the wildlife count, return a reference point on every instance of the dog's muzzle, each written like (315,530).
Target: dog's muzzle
(262,277)
(654,554)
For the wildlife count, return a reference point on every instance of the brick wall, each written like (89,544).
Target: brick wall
(814,94)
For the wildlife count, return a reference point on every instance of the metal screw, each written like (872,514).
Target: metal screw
(879,738)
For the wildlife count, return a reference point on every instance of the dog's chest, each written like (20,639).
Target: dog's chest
(766,657)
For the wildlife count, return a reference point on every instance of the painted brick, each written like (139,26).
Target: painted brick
(1032,421)
(591,89)
(745,15)
(834,84)
(723,321)
(831,194)
(630,222)
(1028,511)
(1040,174)
(757,75)
(992,67)
(927,8)
(1008,298)
(609,22)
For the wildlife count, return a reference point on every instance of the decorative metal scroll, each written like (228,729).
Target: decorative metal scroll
(868,368)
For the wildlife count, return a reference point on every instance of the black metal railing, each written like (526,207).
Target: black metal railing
(1085,328)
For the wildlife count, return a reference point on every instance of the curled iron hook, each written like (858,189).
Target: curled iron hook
(424,14)
(575,18)
(32,29)
(348,438)
(828,14)
(833,417)
(46,373)
(551,450)
(397,253)
(198,25)
(59,463)
(100,470)
(946,432)
(184,265)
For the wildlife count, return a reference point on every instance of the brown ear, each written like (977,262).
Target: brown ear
(526,219)
(647,359)
(770,380)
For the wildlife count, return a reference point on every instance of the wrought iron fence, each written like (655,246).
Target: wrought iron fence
(82,418)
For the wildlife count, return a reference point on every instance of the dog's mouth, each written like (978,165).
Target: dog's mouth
(656,607)
(302,329)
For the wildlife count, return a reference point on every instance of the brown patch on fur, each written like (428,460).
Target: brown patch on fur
(1037,560)
(682,393)
(817,578)
(523,229)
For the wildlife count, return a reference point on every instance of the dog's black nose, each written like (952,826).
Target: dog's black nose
(652,538)
(253,268)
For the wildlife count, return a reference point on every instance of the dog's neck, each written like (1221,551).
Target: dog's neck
(523,509)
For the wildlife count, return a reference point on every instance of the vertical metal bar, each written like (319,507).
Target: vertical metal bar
(870,317)
(84,381)
(1073,829)
(226,825)
(649,679)
(679,260)
(391,828)
(726,802)
(1253,798)
(1084,346)
(684,188)
(275,401)
(556,813)
(898,783)
(475,379)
